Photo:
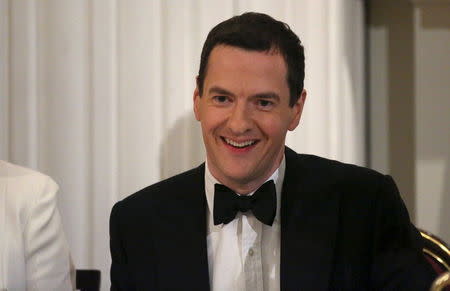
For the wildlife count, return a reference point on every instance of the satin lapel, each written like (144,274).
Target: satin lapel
(181,246)
(309,219)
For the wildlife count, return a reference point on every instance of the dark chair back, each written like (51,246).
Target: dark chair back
(87,280)
(437,253)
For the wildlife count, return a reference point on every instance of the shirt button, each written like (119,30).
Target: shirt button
(250,252)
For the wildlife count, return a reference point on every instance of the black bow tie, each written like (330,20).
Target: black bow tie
(263,203)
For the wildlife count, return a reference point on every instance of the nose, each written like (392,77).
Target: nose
(240,121)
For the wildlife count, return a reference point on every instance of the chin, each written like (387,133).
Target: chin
(242,177)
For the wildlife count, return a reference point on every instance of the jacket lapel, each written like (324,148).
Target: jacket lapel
(309,214)
(181,247)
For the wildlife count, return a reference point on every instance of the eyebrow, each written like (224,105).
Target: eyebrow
(218,90)
(264,95)
(267,95)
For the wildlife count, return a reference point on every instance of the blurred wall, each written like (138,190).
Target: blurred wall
(409,80)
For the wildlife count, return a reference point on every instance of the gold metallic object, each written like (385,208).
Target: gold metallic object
(437,242)
(442,281)
(437,250)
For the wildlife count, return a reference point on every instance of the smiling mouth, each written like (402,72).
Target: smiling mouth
(239,145)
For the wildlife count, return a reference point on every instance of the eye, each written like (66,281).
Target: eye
(221,99)
(265,104)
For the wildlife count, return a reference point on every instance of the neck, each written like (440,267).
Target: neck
(244,189)
(248,185)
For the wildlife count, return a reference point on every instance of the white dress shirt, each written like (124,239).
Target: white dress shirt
(34,254)
(244,255)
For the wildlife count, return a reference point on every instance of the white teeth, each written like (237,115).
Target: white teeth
(239,144)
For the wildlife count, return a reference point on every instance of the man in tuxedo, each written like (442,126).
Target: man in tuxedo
(256,215)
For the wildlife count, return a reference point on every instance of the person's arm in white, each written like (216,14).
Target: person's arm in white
(48,262)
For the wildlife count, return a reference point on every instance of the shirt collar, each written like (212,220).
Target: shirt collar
(277,176)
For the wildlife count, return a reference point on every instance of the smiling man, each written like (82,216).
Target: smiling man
(244,109)
(257,215)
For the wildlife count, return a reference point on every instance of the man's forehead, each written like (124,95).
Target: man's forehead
(224,57)
(248,73)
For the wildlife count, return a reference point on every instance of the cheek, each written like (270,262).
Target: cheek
(274,128)
(211,121)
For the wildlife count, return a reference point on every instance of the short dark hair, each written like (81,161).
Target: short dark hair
(258,32)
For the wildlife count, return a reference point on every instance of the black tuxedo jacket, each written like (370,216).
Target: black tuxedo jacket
(343,227)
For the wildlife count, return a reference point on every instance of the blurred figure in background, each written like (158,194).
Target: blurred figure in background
(34,254)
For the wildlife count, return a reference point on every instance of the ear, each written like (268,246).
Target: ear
(297,111)
(196,101)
